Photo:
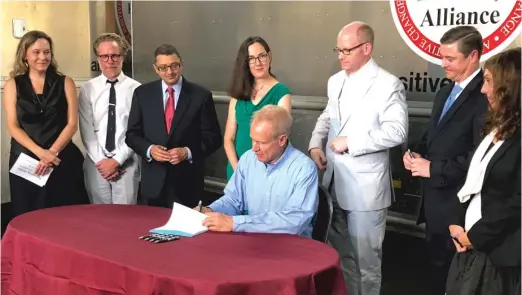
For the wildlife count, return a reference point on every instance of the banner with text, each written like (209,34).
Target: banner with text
(421,23)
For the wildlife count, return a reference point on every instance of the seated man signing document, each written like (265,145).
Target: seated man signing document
(274,188)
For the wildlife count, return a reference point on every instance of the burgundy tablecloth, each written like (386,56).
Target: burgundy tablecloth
(94,249)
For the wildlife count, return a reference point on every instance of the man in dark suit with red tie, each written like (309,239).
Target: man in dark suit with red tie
(173,126)
(454,131)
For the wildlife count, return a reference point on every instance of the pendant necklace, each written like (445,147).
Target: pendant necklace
(254,93)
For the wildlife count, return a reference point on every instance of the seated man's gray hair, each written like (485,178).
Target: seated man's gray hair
(278,117)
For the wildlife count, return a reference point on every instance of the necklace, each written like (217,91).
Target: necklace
(37,97)
(255,91)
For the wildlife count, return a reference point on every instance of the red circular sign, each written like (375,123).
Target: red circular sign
(123,17)
(421,40)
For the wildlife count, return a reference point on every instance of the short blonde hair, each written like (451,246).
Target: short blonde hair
(111,37)
(278,117)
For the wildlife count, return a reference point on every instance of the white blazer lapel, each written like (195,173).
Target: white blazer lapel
(338,106)
(355,102)
(364,80)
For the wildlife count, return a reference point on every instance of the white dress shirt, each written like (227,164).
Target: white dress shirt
(466,81)
(94,114)
(177,91)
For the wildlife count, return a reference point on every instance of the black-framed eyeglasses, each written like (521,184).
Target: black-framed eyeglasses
(348,50)
(113,57)
(261,57)
(174,67)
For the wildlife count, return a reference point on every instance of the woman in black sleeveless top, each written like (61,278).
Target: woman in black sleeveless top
(42,112)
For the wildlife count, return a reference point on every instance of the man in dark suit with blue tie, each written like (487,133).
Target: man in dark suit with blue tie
(443,156)
(173,126)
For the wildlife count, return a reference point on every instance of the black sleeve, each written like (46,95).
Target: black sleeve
(421,147)
(211,138)
(458,213)
(491,227)
(134,136)
(449,171)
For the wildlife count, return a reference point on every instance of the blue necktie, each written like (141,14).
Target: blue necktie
(451,99)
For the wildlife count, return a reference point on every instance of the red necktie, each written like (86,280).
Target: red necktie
(169,108)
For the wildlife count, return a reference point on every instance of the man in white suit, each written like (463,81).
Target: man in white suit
(366,115)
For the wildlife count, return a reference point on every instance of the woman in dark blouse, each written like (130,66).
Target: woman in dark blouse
(42,112)
(486,228)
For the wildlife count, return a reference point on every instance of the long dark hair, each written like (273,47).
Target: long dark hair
(505,71)
(242,79)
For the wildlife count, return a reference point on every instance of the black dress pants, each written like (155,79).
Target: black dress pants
(441,251)
(166,198)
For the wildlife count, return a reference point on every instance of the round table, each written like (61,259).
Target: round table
(94,249)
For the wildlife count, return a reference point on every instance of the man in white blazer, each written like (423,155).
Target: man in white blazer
(366,115)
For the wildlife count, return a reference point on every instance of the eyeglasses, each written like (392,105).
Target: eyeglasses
(262,58)
(349,50)
(113,57)
(164,68)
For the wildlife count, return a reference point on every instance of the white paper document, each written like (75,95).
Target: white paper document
(184,221)
(25,167)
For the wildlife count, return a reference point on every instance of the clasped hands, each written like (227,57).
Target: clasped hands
(216,221)
(48,158)
(109,169)
(174,156)
(417,165)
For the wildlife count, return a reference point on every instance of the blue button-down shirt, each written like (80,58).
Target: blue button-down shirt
(272,198)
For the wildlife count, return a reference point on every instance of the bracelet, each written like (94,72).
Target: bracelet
(56,153)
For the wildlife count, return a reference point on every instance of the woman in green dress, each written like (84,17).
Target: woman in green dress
(253,86)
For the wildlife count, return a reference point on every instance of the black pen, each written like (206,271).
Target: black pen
(200,206)
(457,241)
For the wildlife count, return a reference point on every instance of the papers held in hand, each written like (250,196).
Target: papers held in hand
(184,221)
(25,166)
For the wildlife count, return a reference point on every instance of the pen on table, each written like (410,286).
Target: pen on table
(200,207)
